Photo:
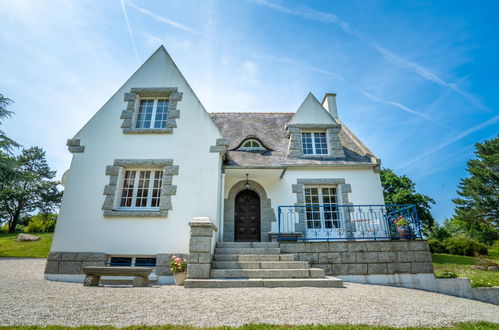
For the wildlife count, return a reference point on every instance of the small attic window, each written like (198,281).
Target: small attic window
(251,145)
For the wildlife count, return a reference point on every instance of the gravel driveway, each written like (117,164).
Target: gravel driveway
(27,299)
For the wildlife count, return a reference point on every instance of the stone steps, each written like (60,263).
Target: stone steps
(232,245)
(253,257)
(326,282)
(267,273)
(249,250)
(259,265)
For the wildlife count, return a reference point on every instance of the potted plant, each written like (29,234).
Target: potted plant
(403,229)
(178,267)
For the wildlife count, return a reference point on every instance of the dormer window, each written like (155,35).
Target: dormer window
(152,113)
(251,145)
(314,143)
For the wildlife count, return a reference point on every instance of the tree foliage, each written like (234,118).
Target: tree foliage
(402,190)
(477,208)
(6,144)
(28,189)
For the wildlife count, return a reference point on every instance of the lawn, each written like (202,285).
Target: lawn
(462,266)
(458,326)
(9,247)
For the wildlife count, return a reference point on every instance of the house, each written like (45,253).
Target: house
(152,159)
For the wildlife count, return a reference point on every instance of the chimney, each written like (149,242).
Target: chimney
(329,103)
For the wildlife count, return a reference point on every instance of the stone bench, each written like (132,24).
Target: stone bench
(94,273)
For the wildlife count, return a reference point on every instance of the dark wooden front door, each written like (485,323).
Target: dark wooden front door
(247,216)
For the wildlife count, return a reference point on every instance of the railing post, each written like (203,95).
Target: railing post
(278,223)
(200,247)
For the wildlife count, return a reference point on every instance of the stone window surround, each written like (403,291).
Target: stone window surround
(133,99)
(335,148)
(74,146)
(342,190)
(167,190)
(267,215)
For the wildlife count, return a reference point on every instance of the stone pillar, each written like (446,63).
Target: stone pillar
(199,264)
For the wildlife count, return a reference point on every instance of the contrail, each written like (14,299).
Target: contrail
(454,139)
(172,23)
(125,14)
(391,57)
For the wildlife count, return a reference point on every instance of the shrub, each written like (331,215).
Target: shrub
(464,246)
(41,223)
(447,274)
(436,246)
(494,250)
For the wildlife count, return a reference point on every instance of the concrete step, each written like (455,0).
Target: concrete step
(259,265)
(232,245)
(327,282)
(247,251)
(265,273)
(253,257)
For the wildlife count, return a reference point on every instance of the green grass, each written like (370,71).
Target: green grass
(9,247)
(459,326)
(462,266)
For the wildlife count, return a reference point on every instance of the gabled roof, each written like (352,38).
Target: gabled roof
(269,127)
(311,112)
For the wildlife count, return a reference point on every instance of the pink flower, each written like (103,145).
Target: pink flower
(171,269)
(178,259)
(173,257)
(185,260)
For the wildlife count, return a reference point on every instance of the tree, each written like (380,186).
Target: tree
(5,142)
(477,209)
(402,190)
(29,188)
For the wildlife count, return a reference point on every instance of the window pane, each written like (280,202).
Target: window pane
(121,261)
(320,143)
(145,114)
(161,114)
(143,189)
(145,262)
(247,144)
(127,192)
(306,139)
(156,190)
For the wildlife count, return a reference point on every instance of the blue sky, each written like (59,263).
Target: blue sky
(417,81)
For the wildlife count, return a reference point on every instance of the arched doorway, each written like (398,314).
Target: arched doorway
(247,217)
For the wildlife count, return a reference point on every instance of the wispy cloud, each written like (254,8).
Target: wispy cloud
(172,23)
(390,56)
(132,39)
(458,137)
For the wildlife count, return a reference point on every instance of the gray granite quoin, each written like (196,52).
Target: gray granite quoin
(200,248)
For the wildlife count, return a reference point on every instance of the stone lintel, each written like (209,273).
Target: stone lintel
(331,181)
(143,162)
(223,142)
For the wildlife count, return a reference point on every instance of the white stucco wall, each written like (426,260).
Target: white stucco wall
(81,225)
(365,184)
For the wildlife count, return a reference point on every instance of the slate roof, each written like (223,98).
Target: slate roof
(269,128)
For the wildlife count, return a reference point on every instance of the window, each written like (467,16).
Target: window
(141,189)
(314,143)
(132,261)
(251,145)
(152,113)
(321,209)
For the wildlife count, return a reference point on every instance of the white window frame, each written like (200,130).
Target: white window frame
(322,217)
(314,149)
(119,192)
(259,148)
(154,110)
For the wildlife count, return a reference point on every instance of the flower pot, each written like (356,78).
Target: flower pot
(179,278)
(404,232)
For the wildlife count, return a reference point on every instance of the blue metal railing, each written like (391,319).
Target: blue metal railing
(348,222)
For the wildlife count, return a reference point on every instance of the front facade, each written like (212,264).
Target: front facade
(152,158)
